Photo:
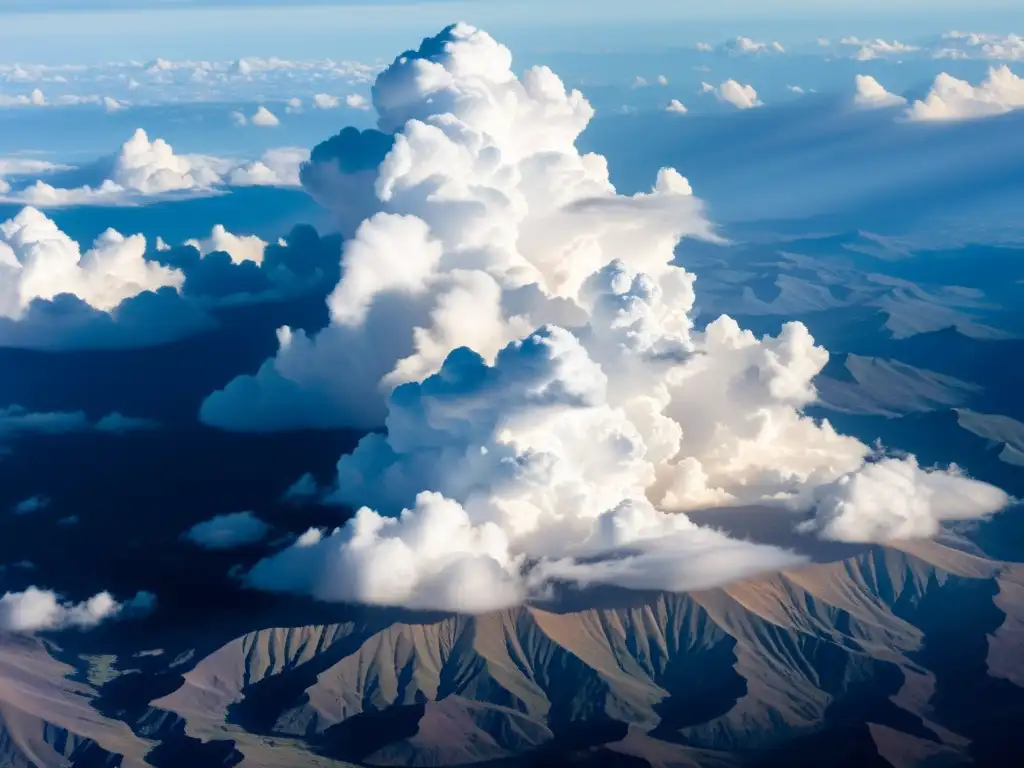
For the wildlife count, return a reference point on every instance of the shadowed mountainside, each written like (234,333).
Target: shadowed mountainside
(898,656)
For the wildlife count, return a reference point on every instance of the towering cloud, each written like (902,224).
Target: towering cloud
(525,335)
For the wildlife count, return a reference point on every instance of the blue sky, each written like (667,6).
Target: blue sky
(65,31)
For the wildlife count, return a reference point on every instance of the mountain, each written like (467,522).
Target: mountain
(900,656)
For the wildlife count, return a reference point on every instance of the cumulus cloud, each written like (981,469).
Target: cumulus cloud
(264,118)
(38,610)
(525,336)
(147,169)
(276,168)
(871,94)
(39,261)
(952,99)
(54,296)
(356,101)
(742,45)
(239,247)
(895,499)
(141,168)
(31,505)
(676,106)
(732,92)
(868,50)
(326,101)
(228,531)
(977,45)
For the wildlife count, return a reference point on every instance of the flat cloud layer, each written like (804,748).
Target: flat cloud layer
(228,531)
(524,335)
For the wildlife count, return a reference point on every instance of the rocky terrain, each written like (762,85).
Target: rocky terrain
(898,656)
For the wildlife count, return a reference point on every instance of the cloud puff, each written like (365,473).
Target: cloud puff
(895,499)
(39,261)
(264,118)
(975,45)
(54,296)
(867,50)
(871,94)
(525,336)
(952,99)
(356,101)
(741,45)
(326,101)
(239,247)
(732,92)
(276,168)
(146,169)
(31,505)
(141,168)
(38,610)
(677,107)
(228,531)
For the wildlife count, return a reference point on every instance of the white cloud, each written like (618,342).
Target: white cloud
(277,168)
(871,94)
(228,531)
(795,89)
(895,499)
(239,247)
(112,105)
(745,46)
(356,101)
(662,80)
(264,118)
(525,335)
(145,170)
(326,101)
(704,47)
(974,45)
(732,92)
(868,50)
(639,82)
(952,99)
(294,106)
(37,610)
(676,106)
(239,118)
(39,261)
(141,168)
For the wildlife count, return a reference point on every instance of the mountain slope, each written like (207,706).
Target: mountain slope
(849,651)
